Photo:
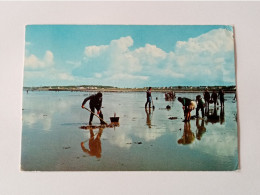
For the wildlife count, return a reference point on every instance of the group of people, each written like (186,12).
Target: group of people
(188,104)
(95,103)
(214,97)
(169,96)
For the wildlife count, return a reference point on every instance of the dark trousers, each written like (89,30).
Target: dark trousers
(148,101)
(222,102)
(215,102)
(207,103)
(200,107)
(91,115)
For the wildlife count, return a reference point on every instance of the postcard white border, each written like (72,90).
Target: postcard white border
(13,18)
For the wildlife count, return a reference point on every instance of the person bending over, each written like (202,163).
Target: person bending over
(95,102)
(188,106)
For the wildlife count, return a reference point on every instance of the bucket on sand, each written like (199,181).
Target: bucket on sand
(114,119)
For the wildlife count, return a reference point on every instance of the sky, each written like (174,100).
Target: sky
(129,55)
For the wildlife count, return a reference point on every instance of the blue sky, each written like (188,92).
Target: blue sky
(129,55)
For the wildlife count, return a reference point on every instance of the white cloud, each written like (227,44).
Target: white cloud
(48,58)
(33,62)
(150,54)
(121,45)
(206,58)
(65,76)
(39,69)
(218,40)
(95,51)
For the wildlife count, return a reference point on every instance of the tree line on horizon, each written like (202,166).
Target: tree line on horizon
(177,88)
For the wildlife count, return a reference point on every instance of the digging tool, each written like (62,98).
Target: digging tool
(95,115)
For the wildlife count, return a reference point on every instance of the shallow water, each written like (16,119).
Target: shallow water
(52,139)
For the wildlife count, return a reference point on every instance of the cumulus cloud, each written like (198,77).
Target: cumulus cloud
(33,62)
(37,69)
(209,56)
(95,51)
(204,60)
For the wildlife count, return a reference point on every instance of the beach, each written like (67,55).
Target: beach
(54,137)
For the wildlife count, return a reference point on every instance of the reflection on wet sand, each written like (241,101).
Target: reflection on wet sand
(111,125)
(188,136)
(222,115)
(148,117)
(95,148)
(200,129)
(139,139)
(213,117)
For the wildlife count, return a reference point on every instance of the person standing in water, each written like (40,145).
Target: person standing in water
(148,97)
(94,103)
(200,106)
(221,97)
(214,97)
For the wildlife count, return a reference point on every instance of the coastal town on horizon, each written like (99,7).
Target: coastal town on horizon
(231,88)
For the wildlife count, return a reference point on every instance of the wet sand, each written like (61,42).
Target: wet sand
(56,135)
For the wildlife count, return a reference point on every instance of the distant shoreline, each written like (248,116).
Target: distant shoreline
(128,90)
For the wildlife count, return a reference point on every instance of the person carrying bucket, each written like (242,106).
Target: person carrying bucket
(94,103)
(149,97)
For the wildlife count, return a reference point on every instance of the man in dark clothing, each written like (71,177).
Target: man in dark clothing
(94,103)
(200,106)
(149,97)
(206,97)
(221,97)
(186,102)
(214,97)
